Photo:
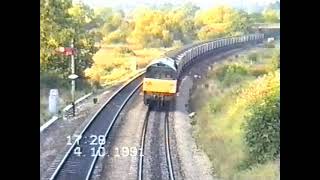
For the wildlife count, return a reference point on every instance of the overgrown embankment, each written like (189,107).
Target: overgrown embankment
(238,116)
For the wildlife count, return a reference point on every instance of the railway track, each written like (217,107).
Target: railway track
(157,159)
(78,163)
(168,151)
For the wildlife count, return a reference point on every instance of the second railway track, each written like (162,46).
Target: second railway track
(155,155)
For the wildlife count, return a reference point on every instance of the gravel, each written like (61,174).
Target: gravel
(124,135)
(53,140)
(155,164)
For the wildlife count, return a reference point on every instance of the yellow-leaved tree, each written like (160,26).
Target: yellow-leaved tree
(214,22)
(149,28)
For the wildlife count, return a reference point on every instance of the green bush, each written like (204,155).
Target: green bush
(231,74)
(217,103)
(214,107)
(262,130)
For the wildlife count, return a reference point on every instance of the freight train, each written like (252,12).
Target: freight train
(162,75)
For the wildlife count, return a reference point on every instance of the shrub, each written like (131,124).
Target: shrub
(276,60)
(219,101)
(219,124)
(232,73)
(253,57)
(262,130)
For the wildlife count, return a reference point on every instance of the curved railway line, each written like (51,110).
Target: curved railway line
(75,167)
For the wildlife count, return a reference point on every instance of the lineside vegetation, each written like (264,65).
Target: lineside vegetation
(238,122)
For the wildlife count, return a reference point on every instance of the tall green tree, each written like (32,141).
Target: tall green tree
(240,23)
(82,24)
(256,18)
(60,22)
(109,20)
(54,21)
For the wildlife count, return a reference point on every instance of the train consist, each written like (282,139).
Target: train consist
(162,75)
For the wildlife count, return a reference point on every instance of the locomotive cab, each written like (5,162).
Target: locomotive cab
(160,82)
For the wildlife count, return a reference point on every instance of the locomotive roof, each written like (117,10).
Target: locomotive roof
(166,61)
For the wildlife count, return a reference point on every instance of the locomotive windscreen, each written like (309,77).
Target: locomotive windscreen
(160,72)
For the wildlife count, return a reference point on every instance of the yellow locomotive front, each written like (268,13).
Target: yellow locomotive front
(160,82)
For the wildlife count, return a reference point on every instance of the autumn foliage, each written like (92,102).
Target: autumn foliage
(144,29)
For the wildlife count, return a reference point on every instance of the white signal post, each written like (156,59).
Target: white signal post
(73,82)
(71,52)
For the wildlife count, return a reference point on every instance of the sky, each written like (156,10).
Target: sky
(203,4)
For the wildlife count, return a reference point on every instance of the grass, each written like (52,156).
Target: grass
(233,85)
(267,171)
(65,99)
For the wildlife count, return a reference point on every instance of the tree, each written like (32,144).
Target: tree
(113,26)
(54,21)
(180,22)
(82,16)
(60,21)
(262,130)
(149,28)
(214,22)
(256,18)
(240,23)
(271,16)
